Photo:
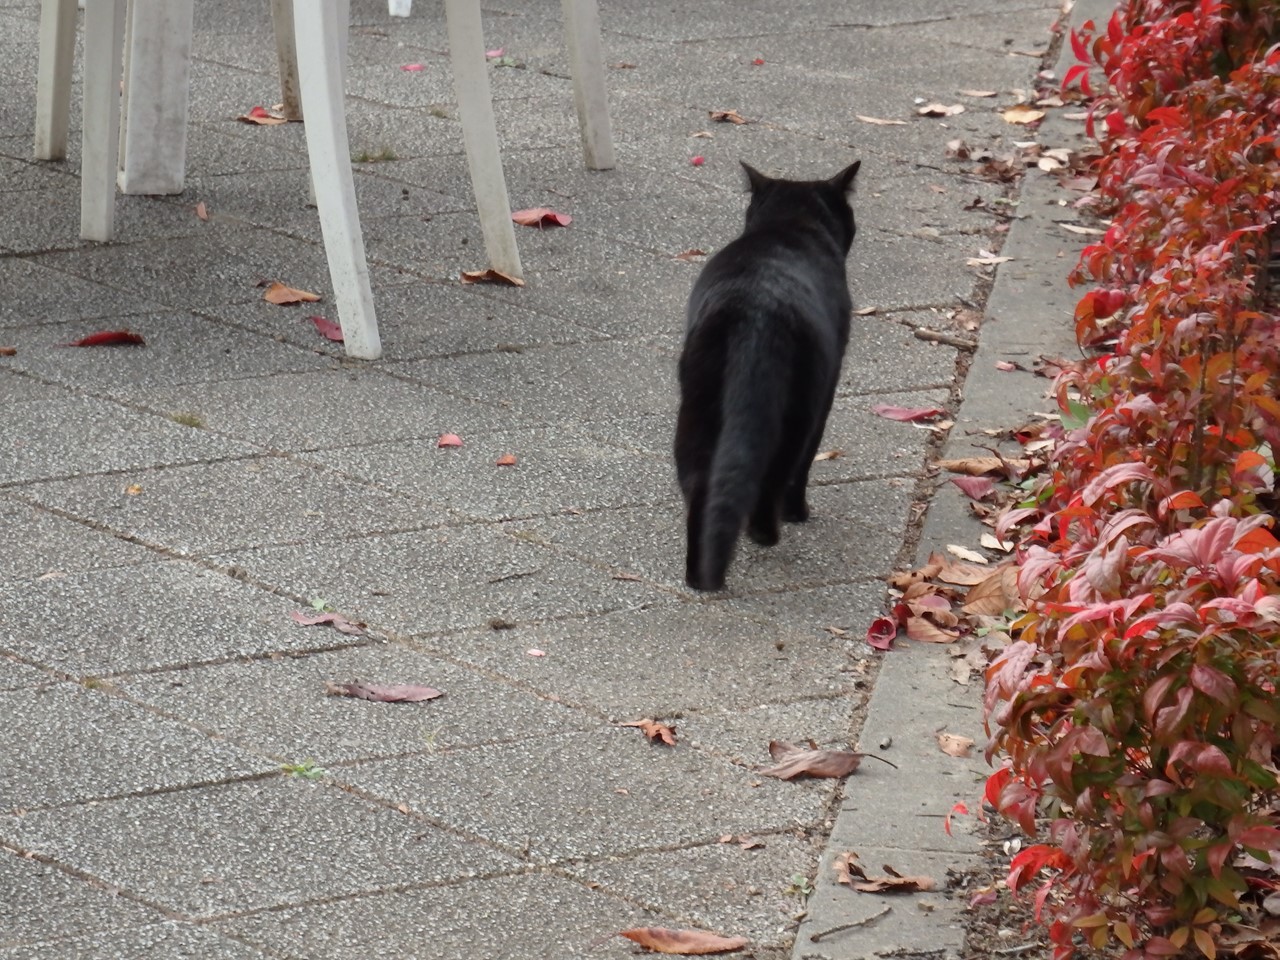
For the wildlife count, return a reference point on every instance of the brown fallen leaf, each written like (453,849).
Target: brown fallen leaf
(657,732)
(961,574)
(490,276)
(940,109)
(283,295)
(828,455)
(262,117)
(851,874)
(202,211)
(382,692)
(880,121)
(865,311)
(795,761)
(954,745)
(905,578)
(977,466)
(339,622)
(8,351)
(133,490)
(995,593)
(727,116)
(1022,114)
(688,256)
(925,630)
(683,942)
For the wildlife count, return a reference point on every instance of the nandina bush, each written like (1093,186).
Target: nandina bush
(1137,711)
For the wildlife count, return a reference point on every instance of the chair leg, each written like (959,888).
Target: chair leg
(286,57)
(100,125)
(153,128)
(317,28)
(399,8)
(586,64)
(480,134)
(53,81)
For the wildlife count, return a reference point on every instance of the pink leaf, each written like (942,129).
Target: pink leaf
(327,328)
(340,623)
(698,160)
(412,67)
(491,54)
(758,62)
(541,217)
(109,338)
(449,440)
(881,633)
(383,692)
(975,488)
(946,821)
(907,414)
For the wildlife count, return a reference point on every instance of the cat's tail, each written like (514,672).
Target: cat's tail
(755,383)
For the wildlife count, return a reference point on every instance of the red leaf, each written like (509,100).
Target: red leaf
(907,414)
(340,623)
(541,217)
(881,633)
(449,440)
(683,942)
(262,117)
(412,67)
(976,488)
(383,692)
(109,338)
(506,460)
(946,821)
(327,328)
(758,62)
(698,160)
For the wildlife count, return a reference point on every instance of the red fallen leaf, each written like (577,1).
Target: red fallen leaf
(449,440)
(327,328)
(794,761)
(698,160)
(989,895)
(493,54)
(690,255)
(262,117)
(881,633)
(490,276)
(907,414)
(340,623)
(655,731)
(382,692)
(8,351)
(283,295)
(683,942)
(946,821)
(757,62)
(412,67)
(976,488)
(506,460)
(109,338)
(541,217)
(202,211)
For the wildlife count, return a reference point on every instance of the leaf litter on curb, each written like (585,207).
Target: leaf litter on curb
(907,414)
(880,121)
(683,942)
(954,745)
(793,760)
(489,276)
(382,692)
(109,338)
(262,117)
(656,731)
(340,623)
(850,873)
(541,217)
(284,295)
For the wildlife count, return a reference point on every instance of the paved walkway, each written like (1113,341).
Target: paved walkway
(165,509)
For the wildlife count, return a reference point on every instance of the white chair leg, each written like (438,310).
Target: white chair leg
(399,8)
(153,126)
(480,134)
(586,64)
(317,28)
(100,125)
(286,57)
(53,79)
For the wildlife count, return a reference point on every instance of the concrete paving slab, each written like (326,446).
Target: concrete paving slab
(431,581)
(166,941)
(16,675)
(529,917)
(743,736)
(662,661)
(251,845)
(594,788)
(109,748)
(278,705)
(50,219)
(20,175)
(558,469)
(98,435)
(41,544)
(884,353)
(35,293)
(42,901)
(147,616)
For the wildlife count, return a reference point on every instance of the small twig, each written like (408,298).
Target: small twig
(1025,948)
(815,937)
(515,576)
(881,759)
(950,339)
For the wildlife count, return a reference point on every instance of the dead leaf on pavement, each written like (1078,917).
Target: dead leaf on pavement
(975,488)
(283,295)
(490,276)
(794,761)
(907,414)
(689,256)
(906,578)
(881,122)
(977,466)
(977,93)
(881,633)
(954,745)
(924,630)
(1022,114)
(850,873)
(961,574)
(339,622)
(449,440)
(683,942)
(506,460)
(657,732)
(541,217)
(8,351)
(202,211)
(964,553)
(829,455)
(991,542)
(327,328)
(727,116)
(940,110)
(262,117)
(382,692)
(986,258)
(109,338)
(133,490)
(995,593)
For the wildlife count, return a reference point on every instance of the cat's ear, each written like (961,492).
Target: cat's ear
(844,179)
(755,179)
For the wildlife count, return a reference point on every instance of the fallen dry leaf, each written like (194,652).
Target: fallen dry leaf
(655,731)
(727,116)
(133,489)
(283,295)
(382,692)
(964,553)
(977,466)
(975,488)
(1082,231)
(961,574)
(506,460)
(689,256)
(1022,114)
(940,110)
(8,351)
(109,338)
(340,623)
(262,117)
(880,121)
(535,652)
(881,633)
(490,276)
(986,259)
(327,328)
(683,942)
(829,455)
(449,440)
(991,542)
(995,593)
(907,414)
(202,211)
(924,630)
(977,93)
(851,874)
(541,217)
(954,745)
(865,311)
(795,761)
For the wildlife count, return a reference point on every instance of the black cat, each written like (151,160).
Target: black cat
(767,324)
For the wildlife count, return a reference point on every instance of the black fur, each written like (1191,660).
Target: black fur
(767,324)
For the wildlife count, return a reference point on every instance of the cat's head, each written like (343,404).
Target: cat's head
(825,199)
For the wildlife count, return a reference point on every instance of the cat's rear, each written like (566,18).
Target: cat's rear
(767,323)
